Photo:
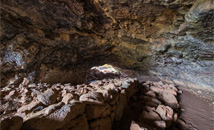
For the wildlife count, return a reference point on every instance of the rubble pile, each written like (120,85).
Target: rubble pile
(62,106)
(95,105)
(159,106)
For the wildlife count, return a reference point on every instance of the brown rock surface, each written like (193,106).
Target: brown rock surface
(63,106)
(11,123)
(101,124)
(166,114)
(97,111)
(79,123)
(169,99)
(54,41)
(48,42)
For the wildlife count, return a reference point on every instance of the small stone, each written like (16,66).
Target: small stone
(175,117)
(32,85)
(180,92)
(25,82)
(166,114)
(10,95)
(67,97)
(48,97)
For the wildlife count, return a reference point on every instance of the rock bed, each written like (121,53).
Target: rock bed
(87,106)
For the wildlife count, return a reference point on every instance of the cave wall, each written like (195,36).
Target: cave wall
(56,41)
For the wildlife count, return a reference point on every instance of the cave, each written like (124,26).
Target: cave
(107,64)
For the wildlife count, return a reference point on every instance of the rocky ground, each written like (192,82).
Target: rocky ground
(63,106)
(105,101)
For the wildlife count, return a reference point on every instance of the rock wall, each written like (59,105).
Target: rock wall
(52,41)
(62,106)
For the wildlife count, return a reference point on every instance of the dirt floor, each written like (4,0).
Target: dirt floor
(197,111)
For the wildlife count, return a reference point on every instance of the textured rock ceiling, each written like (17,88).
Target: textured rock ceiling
(57,40)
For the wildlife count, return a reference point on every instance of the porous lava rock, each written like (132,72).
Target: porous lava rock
(58,41)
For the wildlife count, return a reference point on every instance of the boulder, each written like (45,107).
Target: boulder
(92,98)
(169,99)
(166,114)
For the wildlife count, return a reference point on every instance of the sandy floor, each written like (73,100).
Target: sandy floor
(197,112)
